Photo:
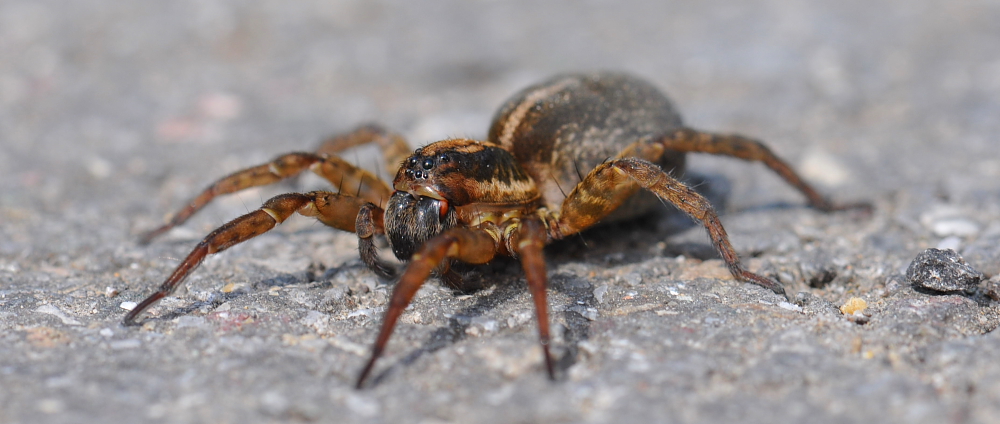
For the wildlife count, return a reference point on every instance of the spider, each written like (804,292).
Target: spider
(470,201)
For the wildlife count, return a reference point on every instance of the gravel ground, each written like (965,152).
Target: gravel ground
(112,114)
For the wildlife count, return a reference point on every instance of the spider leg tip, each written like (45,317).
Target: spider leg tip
(129,320)
(360,384)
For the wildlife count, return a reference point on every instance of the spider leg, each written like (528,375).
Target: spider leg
(336,210)
(393,146)
(471,245)
(612,182)
(532,237)
(689,140)
(369,224)
(334,169)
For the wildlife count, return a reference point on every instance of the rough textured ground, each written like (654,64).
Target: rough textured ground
(112,114)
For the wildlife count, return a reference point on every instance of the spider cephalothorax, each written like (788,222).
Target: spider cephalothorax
(561,157)
(465,172)
(455,181)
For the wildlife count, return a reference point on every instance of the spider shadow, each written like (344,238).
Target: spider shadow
(639,239)
(576,327)
(630,241)
(455,330)
(217,298)
(213,303)
(632,237)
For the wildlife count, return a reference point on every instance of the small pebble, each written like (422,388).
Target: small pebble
(631,279)
(365,312)
(947,220)
(54,311)
(853,306)
(955,227)
(790,306)
(586,312)
(942,271)
(819,165)
(128,306)
(110,291)
(599,292)
(950,242)
(992,288)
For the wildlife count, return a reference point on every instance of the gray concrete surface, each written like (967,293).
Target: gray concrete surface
(112,114)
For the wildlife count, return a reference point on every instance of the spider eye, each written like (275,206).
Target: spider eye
(428,163)
(412,162)
(443,158)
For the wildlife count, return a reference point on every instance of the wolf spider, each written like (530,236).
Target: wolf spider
(470,201)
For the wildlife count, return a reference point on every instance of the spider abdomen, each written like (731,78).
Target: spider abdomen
(560,129)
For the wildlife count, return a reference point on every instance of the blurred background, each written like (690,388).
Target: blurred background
(105,90)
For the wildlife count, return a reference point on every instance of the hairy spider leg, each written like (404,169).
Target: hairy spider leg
(474,246)
(339,211)
(368,225)
(471,245)
(530,245)
(737,146)
(393,146)
(340,173)
(612,182)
